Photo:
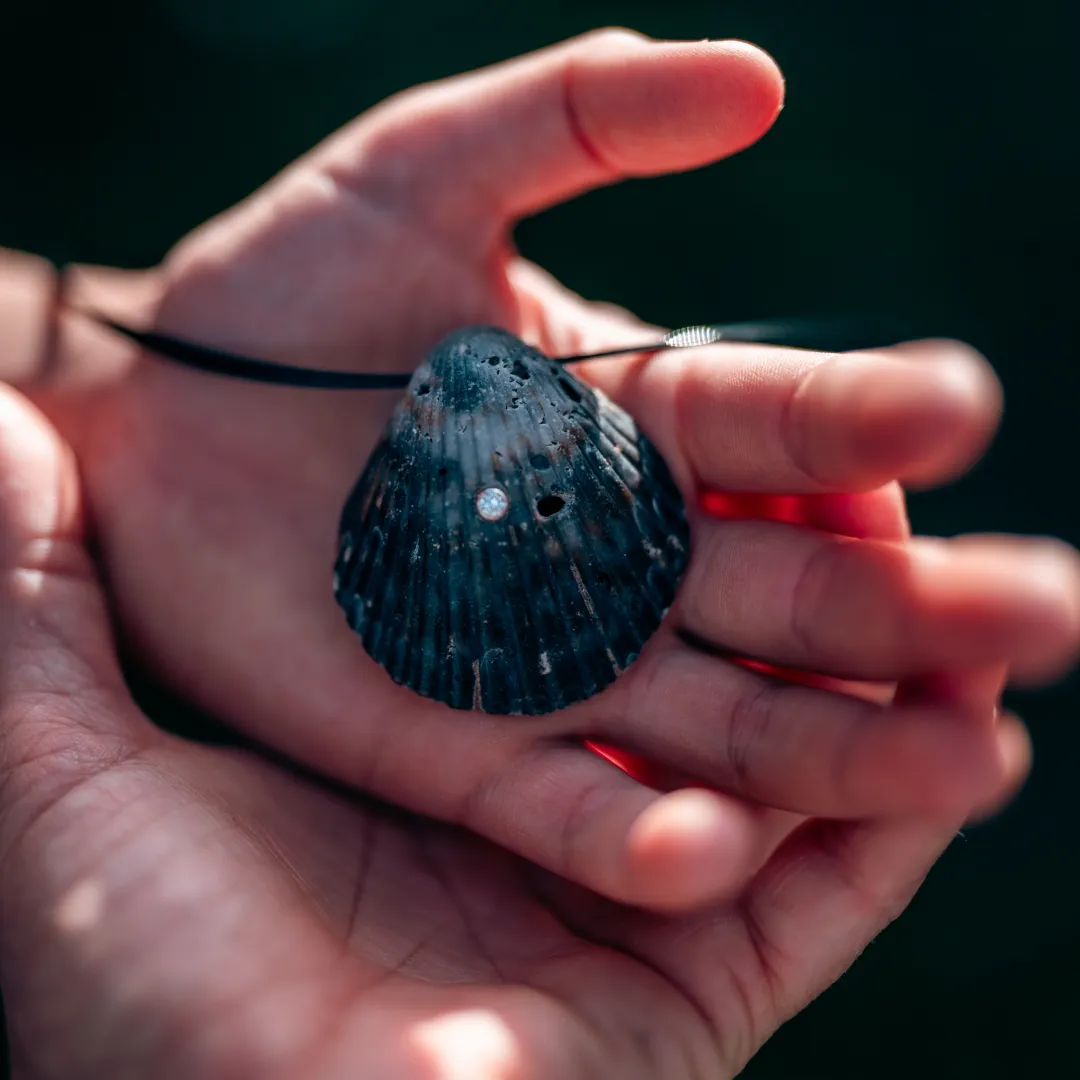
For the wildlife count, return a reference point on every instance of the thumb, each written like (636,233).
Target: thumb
(65,713)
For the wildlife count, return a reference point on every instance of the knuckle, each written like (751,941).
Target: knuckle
(817,581)
(652,689)
(576,827)
(848,604)
(796,425)
(748,730)
(876,899)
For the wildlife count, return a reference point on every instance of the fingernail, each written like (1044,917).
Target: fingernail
(909,417)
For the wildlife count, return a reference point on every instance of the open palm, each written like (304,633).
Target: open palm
(177,910)
(215,504)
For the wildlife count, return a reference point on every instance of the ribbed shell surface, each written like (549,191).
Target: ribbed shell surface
(545,605)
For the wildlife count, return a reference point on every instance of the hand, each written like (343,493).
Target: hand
(215,503)
(176,911)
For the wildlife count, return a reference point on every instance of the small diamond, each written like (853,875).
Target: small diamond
(492,503)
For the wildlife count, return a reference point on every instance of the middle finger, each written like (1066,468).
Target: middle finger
(759,418)
(880,610)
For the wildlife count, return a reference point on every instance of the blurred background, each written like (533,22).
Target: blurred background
(927,165)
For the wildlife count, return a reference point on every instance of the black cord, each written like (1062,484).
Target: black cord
(797,333)
(220,362)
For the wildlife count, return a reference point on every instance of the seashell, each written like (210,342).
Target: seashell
(514,539)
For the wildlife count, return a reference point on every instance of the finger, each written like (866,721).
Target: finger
(829,891)
(928,354)
(574,813)
(976,691)
(512,139)
(794,747)
(59,678)
(1015,751)
(757,418)
(881,611)
(708,721)
(27,298)
(562,807)
(762,419)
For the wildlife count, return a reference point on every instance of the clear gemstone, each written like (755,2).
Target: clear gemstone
(492,503)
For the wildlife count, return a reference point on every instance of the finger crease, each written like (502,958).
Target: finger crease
(584,140)
(787,425)
(574,820)
(819,566)
(747,729)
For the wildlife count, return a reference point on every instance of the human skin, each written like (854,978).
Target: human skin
(497,899)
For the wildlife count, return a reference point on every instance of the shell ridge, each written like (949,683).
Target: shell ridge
(502,672)
(586,473)
(632,568)
(648,559)
(657,609)
(351,538)
(563,471)
(640,620)
(385,612)
(441,651)
(619,446)
(667,503)
(673,534)
(582,601)
(370,519)
(477,628)
(372,602)
(547,628)
(645,511)
(544,628)
(396,569)
(367,555)
(458,652)
(480,558)
(522,645)
(620,419)
(417,597)
(627,468)
(435,600)
(653,579)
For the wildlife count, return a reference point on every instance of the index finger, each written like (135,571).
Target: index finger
(765,419)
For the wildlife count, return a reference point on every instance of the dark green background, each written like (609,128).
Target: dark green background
(926,164)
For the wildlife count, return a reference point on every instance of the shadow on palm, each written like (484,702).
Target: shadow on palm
(394,923)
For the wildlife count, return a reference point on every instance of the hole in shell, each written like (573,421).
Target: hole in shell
(538,461)
(493,361)
(423,388)
(519,370)
(442,470)
(549,505)
(569,391)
